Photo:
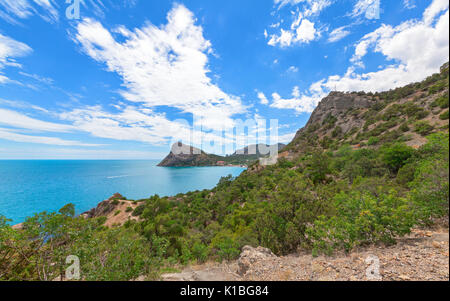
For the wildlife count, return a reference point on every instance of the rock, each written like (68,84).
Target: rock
(441,237)
(436,244)
(18,226)
(251,255)
(185,276)
(404,277)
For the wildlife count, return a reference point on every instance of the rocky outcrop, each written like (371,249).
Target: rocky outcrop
(116,209)
(104,208)
(182,155)
(337,103)
(250,256)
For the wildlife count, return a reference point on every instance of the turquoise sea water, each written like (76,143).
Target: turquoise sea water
(28,187)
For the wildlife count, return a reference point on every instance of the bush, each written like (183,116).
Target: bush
(423,128)
(396,156)
(139,210)
(373,141)
(404,127)
(444,116)
(361,218)
(129,209)
(336,132)
(430,187)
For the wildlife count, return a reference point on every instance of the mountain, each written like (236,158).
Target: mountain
(360,119)
(182,155)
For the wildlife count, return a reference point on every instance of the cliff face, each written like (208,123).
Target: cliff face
(336,105)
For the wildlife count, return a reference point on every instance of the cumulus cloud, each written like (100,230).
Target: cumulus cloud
(163,66)
(415,49)
(263,99)
(300,102)
(302,30)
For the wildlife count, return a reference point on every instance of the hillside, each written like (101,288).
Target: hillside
(182,155)
(406,114)
(367,171)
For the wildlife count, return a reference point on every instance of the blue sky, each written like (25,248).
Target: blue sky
(126,78)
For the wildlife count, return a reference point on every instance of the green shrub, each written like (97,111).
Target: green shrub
(396,156)
(423,128)
(437,87)
(361,218)
(373,141)
(129,209)
(336,132)
(441,102)
(444,116)
(404,127)
(139,210)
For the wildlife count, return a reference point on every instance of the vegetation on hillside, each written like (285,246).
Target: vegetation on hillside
(330,196)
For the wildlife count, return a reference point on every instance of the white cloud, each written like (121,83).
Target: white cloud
(301,103)
(304,33)
(23,9)
(369,8)
(338,34)
(18,120)
(302,30)
(163,66)
(10,49)
(432,11)
(130,124)
(416,49)
(286,138)
(409,4)
(21,105)
(11,135)
(293,69)
(263,99)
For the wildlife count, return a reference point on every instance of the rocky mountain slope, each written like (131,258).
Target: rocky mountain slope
(369,119)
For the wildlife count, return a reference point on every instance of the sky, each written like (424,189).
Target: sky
(125,79)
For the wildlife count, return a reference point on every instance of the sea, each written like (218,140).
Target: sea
(30,187)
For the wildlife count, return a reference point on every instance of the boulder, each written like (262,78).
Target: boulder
(251,255)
